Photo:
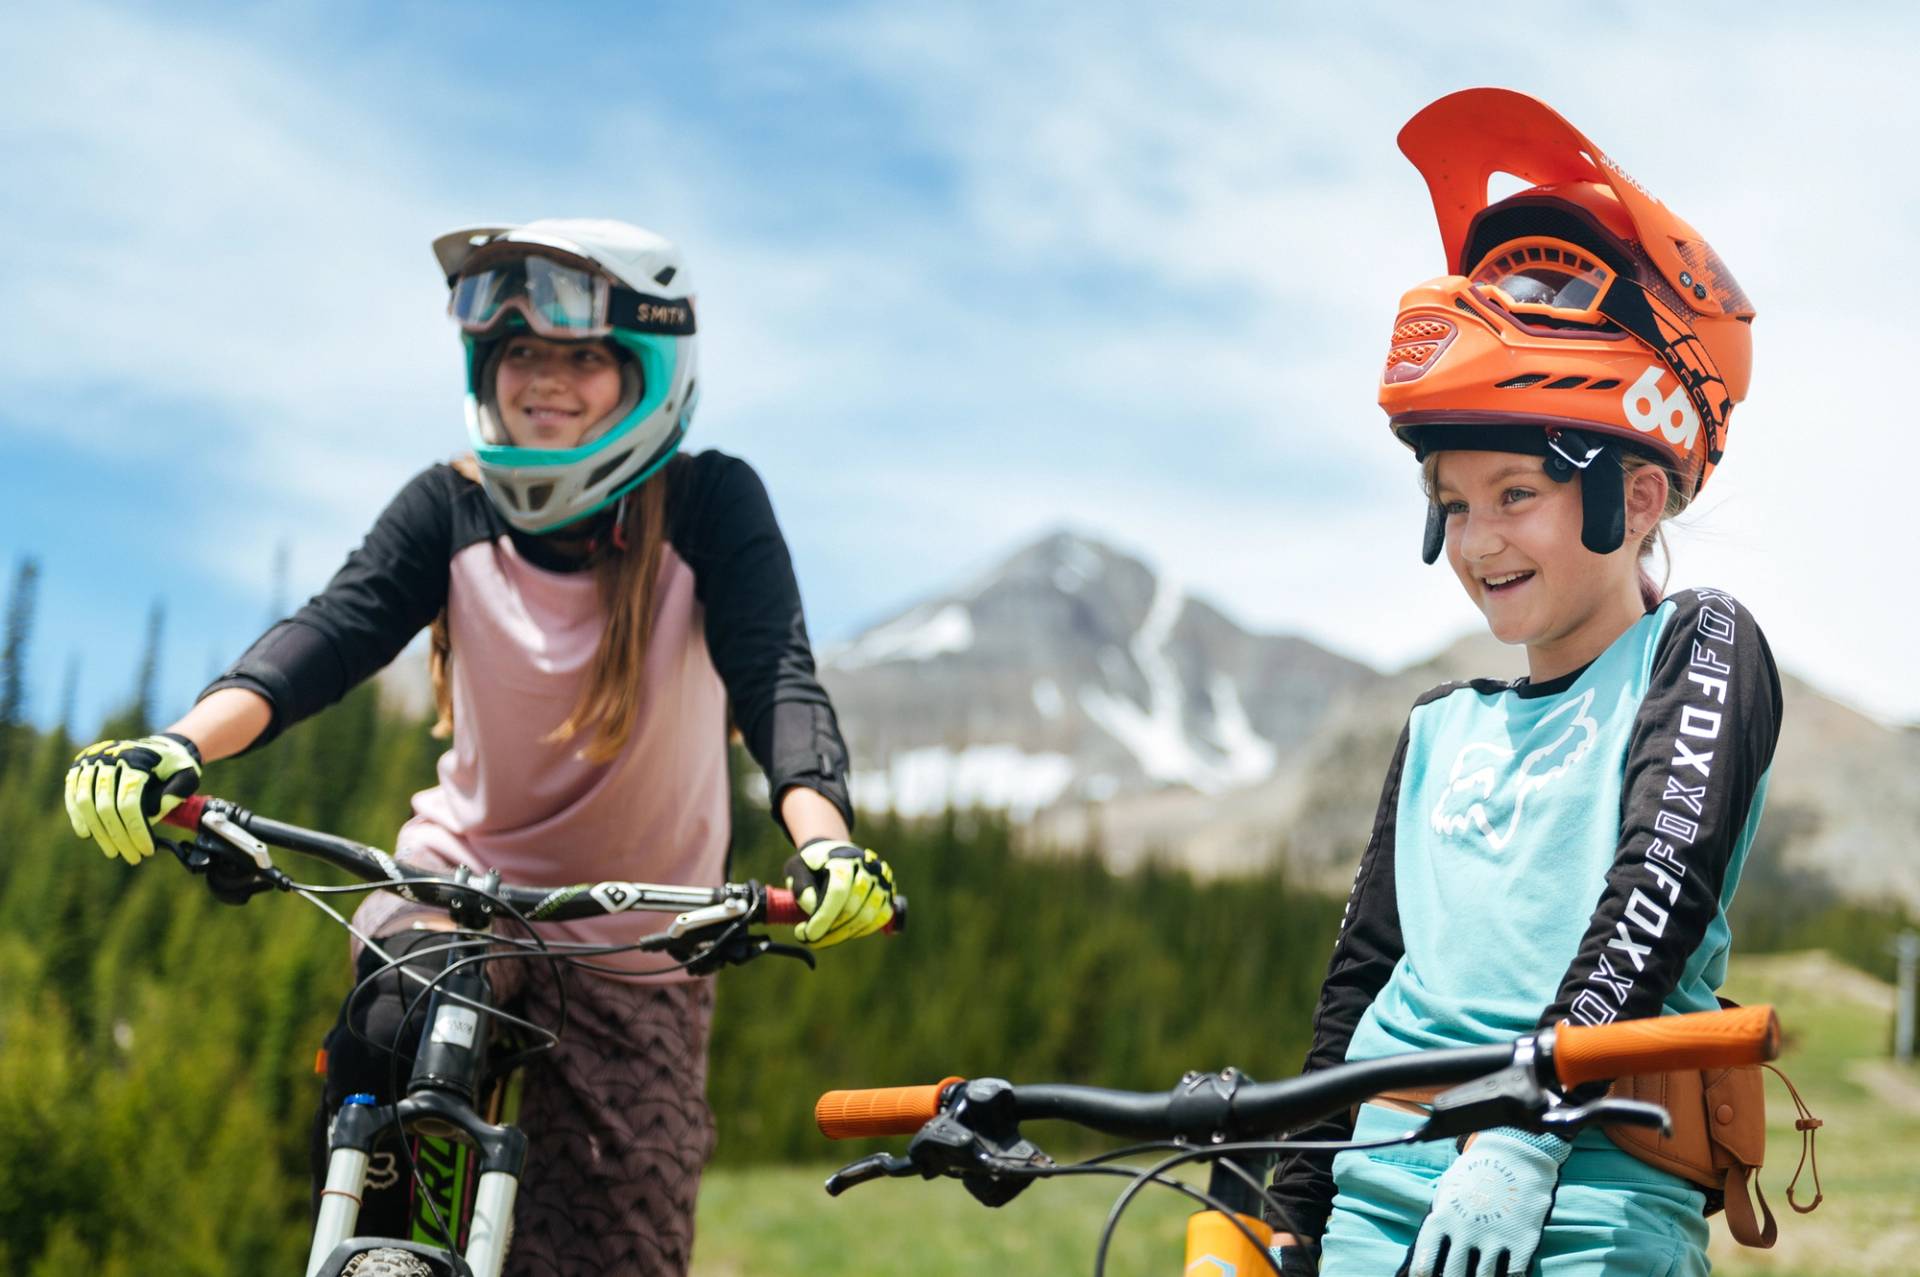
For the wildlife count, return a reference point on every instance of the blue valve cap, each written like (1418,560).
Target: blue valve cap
(360,1097)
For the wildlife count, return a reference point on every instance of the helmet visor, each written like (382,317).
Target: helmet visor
(556,299)
(1549,278)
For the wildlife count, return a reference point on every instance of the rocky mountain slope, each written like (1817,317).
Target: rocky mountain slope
(1071,674)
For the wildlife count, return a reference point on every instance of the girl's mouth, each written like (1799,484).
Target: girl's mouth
(1506,584)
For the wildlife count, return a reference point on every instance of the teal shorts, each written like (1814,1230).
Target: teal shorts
(1614,1215)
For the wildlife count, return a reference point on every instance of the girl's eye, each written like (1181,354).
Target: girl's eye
(1512,495)
(589,358)
(1453,507)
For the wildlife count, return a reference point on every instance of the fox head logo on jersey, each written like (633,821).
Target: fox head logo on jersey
(1487,798)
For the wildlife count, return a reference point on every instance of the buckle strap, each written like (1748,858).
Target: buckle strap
(1740,1220)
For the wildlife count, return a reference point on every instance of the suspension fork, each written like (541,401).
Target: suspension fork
(448,1063)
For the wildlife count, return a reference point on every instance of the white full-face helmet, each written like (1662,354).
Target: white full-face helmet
(574,279)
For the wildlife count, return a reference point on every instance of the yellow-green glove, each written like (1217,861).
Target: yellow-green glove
(847,892)
(117,788)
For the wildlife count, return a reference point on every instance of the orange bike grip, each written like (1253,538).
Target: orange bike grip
(880,1110)
(1662,1044)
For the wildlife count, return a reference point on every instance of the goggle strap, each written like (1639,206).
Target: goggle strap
(637,312)
(1631,306)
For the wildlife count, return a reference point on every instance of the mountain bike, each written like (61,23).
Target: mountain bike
(970,1129)
(452,1070)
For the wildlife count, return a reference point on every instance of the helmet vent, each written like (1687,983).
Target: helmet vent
(1564,383)
(1605,383)
(602,471)
(664,275)
(1523,380)
(1417,342)
(1421,330)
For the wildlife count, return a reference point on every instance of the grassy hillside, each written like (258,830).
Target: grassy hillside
(764,1220)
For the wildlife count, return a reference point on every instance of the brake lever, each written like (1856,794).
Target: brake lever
(1566,1120)
(879,1166)
(732,950)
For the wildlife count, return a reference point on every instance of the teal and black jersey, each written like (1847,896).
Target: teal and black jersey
(1553,851)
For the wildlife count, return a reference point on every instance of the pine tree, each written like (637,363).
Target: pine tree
(13,657)
(146,684)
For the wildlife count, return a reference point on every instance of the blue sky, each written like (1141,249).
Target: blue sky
(967,272)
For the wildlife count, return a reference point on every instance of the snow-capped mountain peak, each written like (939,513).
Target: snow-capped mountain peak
(1071,671)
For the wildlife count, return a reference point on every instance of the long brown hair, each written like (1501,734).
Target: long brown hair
(626,567)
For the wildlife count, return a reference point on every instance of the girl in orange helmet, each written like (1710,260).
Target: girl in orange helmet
(1564,846)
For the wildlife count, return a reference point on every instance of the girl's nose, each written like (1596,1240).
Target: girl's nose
(1478,538)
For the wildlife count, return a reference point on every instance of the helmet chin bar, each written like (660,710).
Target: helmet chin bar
(1603,490)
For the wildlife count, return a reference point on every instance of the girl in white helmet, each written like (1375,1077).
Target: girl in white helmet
(1565,846)
(602,606)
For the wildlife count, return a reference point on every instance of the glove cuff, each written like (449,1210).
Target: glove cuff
(192,749)
(1554,1147)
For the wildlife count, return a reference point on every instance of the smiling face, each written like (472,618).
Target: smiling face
(1513,540)
(550,394)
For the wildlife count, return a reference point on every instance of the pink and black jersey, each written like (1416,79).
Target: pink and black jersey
(728,635)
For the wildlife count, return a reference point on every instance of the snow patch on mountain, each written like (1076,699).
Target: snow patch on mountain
(1047,699)
(920,634)
(919,782)
(1249,756)
(1156,734)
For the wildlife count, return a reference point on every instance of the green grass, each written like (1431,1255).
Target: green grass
(1837,1022)
(778,1219)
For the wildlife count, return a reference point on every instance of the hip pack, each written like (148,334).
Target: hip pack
(1719,1140)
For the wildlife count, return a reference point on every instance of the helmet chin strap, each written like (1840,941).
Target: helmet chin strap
(1603,493)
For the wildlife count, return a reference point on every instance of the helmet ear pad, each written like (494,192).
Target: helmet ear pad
(1603,484)
(1435,537)
(1603,487)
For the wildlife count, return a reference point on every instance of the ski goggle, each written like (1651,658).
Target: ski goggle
(560,301)
(1546,277)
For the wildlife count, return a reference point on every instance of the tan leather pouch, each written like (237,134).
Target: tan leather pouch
(1719,1140)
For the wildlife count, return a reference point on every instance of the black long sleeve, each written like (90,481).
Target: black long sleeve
(1702,740)
(723,526)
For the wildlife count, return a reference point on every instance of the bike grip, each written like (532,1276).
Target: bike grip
(879,1110)
(186,815)
(783,909)
(1665,1043)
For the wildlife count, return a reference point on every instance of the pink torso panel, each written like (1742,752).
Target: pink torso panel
(508,799)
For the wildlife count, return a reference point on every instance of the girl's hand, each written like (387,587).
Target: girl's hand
(846,891)
(1491,1206)
(115,788)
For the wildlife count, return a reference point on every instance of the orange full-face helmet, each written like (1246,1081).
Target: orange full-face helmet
(1581,316)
